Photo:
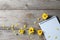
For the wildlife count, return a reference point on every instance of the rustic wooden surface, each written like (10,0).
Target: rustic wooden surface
(22,17)
(29,4)
(24,12)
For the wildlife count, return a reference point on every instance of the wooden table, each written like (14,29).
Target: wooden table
(25,12)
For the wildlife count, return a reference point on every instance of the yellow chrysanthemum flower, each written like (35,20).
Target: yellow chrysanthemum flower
(44,16)
(31,30)
(21,31)
(39,32)
(25,26)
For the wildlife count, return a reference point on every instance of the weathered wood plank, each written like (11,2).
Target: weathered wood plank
(29,4)
(9,35)
(8,17)
(21,17)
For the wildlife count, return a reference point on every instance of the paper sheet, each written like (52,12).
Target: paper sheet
(51,28)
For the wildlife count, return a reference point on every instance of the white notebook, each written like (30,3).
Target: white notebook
(51,28)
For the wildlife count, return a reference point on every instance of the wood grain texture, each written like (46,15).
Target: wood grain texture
(9,17)
(29,4)
(24,12)
(23,17)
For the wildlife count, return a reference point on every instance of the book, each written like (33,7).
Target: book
(51,28)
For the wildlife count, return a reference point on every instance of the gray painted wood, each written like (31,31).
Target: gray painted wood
(22,17)
(9,17)
(16,13)
(29,4)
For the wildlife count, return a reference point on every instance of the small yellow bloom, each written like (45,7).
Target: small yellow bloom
(39,32)
(44,16)
(21,31)
(31,30)
(25,26)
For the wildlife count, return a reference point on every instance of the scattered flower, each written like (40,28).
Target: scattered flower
(25,26)
(39,32)
(31,30)
(21,31)
(44,16)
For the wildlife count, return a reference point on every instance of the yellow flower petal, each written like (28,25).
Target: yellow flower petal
(44,16)
(39,32)
(21,31)
(25,26)
(31,30)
